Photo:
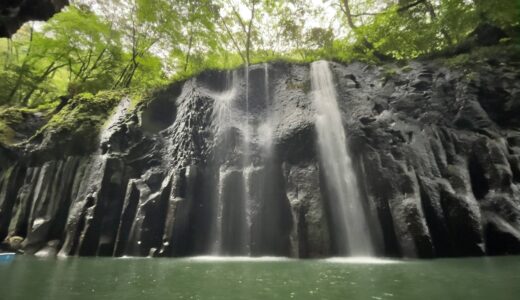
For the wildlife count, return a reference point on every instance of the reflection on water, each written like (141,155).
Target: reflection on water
(238,258)
(261,278)
(368,260)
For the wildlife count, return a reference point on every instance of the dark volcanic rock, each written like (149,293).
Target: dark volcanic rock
(14,13)
(436,149)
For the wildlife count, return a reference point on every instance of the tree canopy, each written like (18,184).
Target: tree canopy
(139,44)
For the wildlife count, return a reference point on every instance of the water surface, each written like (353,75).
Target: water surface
(240,278)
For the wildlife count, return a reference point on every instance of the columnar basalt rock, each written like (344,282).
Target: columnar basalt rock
(436,150)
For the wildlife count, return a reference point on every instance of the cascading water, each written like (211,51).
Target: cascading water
(243,161)
(247,168)
(351,229)
(265,129)
(223,117)
(230,231)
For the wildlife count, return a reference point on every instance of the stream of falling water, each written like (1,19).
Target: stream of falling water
(223,117)
(351,230)
(265,129)
(253,149)
(227,118)
(247,169)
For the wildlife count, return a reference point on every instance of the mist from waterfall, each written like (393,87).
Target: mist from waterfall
(350,227)
(242,158)
(265,128)
(230,233)
(224,119)
(247,168)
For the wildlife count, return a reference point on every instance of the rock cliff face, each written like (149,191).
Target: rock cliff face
(14,13)
(226,163)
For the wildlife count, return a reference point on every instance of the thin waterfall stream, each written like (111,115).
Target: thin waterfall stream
(351,229)
(247,168)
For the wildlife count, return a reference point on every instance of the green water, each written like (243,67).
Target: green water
(146,279)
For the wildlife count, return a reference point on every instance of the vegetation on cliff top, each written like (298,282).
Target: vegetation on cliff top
(82,116)
(113,44)
(79,118)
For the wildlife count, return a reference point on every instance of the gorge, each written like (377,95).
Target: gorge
(279,159)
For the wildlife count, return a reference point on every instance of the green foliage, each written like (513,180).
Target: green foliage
(90,51)
(139,44)
(504,13)
(409,29)
(77,51)
(6,134)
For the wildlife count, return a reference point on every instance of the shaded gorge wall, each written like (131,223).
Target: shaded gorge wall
(227,163)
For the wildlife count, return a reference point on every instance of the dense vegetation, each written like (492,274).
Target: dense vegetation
(139,44)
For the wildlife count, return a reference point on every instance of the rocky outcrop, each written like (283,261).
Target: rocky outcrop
(14,13)
(436,148)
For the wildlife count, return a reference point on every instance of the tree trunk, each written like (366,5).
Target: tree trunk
(187,61)
(433,16)
(235,44)
(22,69)
(353,26)
(249,28)
(348,13)
(48,71)
(94,65)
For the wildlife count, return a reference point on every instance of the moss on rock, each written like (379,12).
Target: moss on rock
(6,134)
(19,123)
(75,128)
(480,55)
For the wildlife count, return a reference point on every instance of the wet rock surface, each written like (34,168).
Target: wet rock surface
(436,149)
(14,13)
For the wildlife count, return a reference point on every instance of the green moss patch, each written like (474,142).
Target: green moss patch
(76,126)
(17,123)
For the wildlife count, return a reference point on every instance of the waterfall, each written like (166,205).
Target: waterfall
(247,169)
(222,111)
(231,220)
(223,118)
(265,129)
(351,230)
(243,157)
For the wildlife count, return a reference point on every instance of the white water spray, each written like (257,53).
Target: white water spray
(224,118)
(352,233)
(247,168)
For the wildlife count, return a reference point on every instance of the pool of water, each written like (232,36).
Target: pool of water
(268,278)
